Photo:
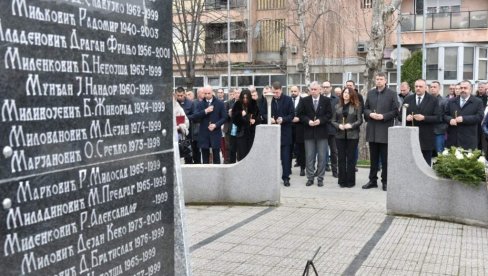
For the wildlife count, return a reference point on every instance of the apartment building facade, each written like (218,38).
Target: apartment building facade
(265,44)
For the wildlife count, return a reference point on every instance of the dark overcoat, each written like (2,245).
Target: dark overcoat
(429,107)
(385,103)
(243,123)
(307,113)
(283,107)
(206,138)
(465,134)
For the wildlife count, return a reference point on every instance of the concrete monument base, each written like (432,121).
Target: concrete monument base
(254,180)
(415,190)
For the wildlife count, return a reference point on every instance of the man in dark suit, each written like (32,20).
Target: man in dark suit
(211,113)
(331,130)
(463,114)
(298,146)
(423,112)
(315,112)
(282,113)
(194,128)
(380,110)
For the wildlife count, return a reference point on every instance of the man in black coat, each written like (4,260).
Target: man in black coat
(423,112)
(331,130)
(380,110)
(282,113)
(298,145)
(211,113)
(315,112)
(463,114)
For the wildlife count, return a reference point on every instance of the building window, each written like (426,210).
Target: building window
(432,63)
(222,4)
(271,4)
(216,37)
(366,4)
(271,35)
(482,64)
(450,63)
(437,6)
(468,63)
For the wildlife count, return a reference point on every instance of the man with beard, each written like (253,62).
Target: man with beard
(463,114)
(298,146)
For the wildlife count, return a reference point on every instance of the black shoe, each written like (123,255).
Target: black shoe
(334,174)
(309,183)
(370,185)
(384,186)
(327,169)
(302,172)
(286,182)
(320,184)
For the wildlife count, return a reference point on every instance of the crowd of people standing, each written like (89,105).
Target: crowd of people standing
(320,126)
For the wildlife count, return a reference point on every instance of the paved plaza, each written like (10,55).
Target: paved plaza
(350,226)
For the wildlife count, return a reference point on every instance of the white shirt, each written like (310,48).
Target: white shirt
(417,99)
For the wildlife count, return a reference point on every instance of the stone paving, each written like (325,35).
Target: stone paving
(345,223)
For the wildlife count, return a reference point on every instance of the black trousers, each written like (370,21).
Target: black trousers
(206,156)
(300,152)
(377,150)
(346,157)
(285,154)
(243,145)
(427,156)
(196,154)
(232,149)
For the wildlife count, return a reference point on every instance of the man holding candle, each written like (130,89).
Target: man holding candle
(282,114)
(463,114)
(315,113)
(380,110)
(423,112)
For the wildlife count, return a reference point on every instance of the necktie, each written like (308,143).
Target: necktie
(463,101)
(315,104)
(418,100)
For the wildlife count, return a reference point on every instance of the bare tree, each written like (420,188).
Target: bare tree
(381,25)
(307,15)
(187,36)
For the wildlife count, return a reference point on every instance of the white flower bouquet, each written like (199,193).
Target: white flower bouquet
(465,166)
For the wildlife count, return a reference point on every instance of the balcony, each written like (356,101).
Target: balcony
(216,38)
(445,21)
(222,4)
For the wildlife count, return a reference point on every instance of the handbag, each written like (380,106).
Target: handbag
(184,145)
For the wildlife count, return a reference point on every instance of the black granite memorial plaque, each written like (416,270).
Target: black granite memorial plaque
(86,170)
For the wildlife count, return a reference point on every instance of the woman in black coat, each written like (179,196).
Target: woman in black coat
(245,117)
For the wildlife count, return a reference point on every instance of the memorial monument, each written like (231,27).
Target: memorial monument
(87,168)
